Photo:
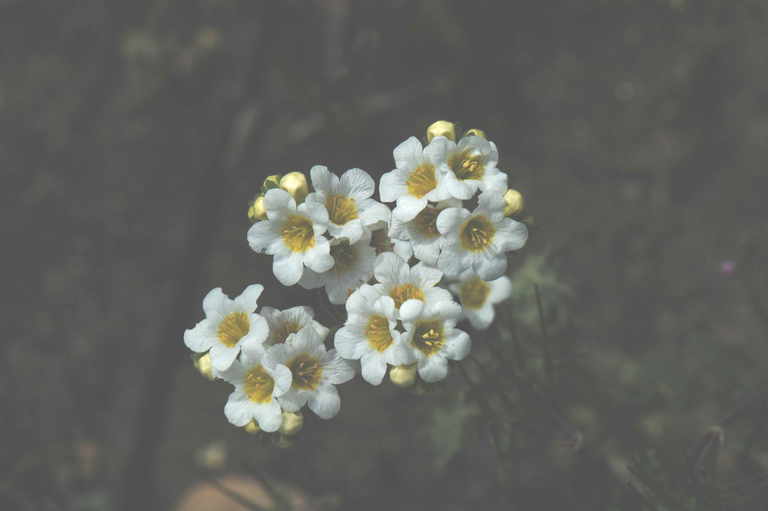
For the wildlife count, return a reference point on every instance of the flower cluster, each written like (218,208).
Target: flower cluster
(407,276)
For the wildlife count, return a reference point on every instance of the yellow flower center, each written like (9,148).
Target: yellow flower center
(474,292)
(297,233)
(280,333)
(341,209)
(476,233)
(344,255)
(232,328)
(377,333)
(306,370)
(259,385)
(467,165)
(402,292)
(422,180)
(426,222)
(428,336)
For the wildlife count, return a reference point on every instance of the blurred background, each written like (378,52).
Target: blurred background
(134,134)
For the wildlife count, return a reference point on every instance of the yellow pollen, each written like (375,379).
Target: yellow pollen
(426,222)
(306,370)
(422,180)
(259,385)
(377,333)
(297,233)
(232,328)
(474,292)
(467,165)
(428,336)
(402,292)
(340,209)
(344,255)
(476,234)
(281,332)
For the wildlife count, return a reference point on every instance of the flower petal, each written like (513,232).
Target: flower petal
(249,298)
(373,368)
(357,184)
(200,338)
(326,403)
(288,268)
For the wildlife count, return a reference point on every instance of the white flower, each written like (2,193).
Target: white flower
(258,382)
(284,323)
(370,334)
(353,265)
(431,334)
(471,166)
(401,282)
(351,210)
(424,240)
(315,373)
(479,240)
(227,326)
(292,235)
(478,296)
(417,177)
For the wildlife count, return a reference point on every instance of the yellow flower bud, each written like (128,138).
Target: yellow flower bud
(292,423)
(441,129)
(514,202)
(257,211)
(270,182)
(476,132)
(252,428)
(403,376)
(203,365)
(295,183)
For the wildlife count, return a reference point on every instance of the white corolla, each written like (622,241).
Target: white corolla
(293,235)
(417,178)
(283,323)
(259,382)
(471,166)
(228,324)
(419,236)
(315,373)
(402,282)
(370,334)
(478,297)
(479,240)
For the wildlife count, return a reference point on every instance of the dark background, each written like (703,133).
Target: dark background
(134,133)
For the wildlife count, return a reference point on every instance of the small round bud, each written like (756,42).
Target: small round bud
(270,182)
(292,423)
(295,183)
(403,376)
(252,428)
(203,365)
(257,211)
(475,132)
(441,129)
(513,202)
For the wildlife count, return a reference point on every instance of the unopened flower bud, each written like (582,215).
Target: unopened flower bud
(256,210)
(441,129)
(403,376)
(203,365)
(475,132)
(295,183)
(270,182)
(292,423)
(513,202)
(252,428)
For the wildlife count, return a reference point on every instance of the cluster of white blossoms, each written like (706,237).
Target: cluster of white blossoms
(407,277)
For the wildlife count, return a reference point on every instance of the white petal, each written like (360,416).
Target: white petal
(352,230)
(449,219)
(426,276)
(400,354)
(357,184)
(373,368)
(283,379)
(338,370)
(389,267)
(437,150)
(458,345)
(407,152)
(252,353)
(293,401)
(238,409)
(249,298)
(511,235)
(411,309)
(317,213)
(322,179)
(223,356)
(215,302)
(408,207)
(346,341)
(318,258)
(258,330)
(434,368)
(480,318)
(261,235)
(375,213)
(457,188)
(269,416)
(200,338)
(451,261)
(277,200)
(501,289)
(288,268)
(391,186)
(326,403)
(491,268)
(312,280)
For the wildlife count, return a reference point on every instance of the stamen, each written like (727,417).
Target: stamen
(467,165)
(341,209)
(377,333)
(402,292)
(428,336)
(297,233)
(259,385)
(474,292)
(306,370)
(232,328)
(477,234)
(422,180)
